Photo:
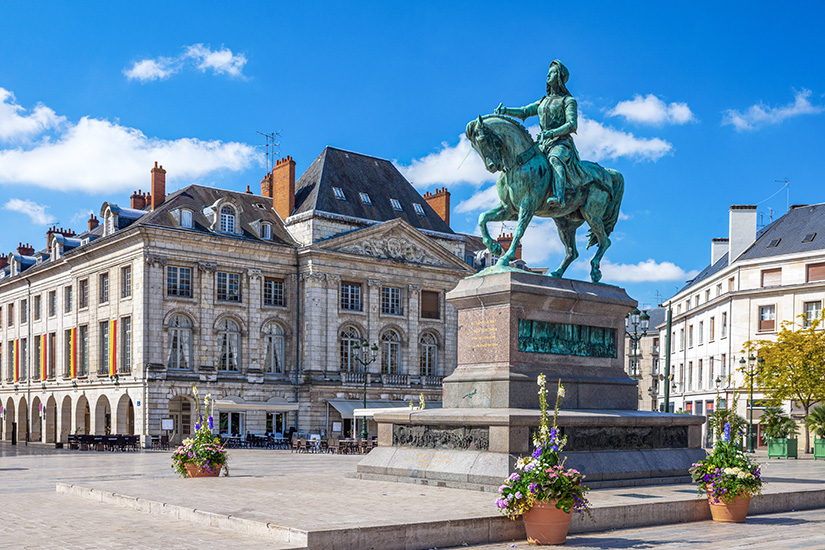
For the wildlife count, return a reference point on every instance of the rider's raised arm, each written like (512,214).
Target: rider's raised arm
(571,118)
(519,112)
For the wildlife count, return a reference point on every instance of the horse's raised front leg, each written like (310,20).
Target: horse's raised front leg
(597,228)
(525,214)
(567,235)
(497,214)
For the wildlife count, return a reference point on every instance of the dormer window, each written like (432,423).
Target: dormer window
(396,205)
(419,209)
(365,198)
(339,193)
(227,219)
(110,224)
(186,219)
(266,231)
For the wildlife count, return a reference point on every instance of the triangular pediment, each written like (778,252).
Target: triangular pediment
(396,241)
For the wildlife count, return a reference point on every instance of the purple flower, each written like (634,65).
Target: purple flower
(553,433)
(530,467)
(537,452)
(211,423)
(501,489)
(514,477)
(727,431)
(532,488)
(197,426)
(518,494)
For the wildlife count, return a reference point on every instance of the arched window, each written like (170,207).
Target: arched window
(227,219)
(349,336)
(390,352)
(428,355)
(180,343)
(266,231)
(229,338)
(273,348)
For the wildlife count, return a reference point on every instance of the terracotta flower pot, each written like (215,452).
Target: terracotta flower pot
(733,511)
(193,470)
(546,524)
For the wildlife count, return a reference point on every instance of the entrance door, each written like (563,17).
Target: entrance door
(180,410)
(275,423)
(231,423)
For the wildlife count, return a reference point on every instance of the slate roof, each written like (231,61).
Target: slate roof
(355,173)
(784,236)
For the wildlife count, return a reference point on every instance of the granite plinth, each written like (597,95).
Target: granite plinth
(477,448)
(497,368)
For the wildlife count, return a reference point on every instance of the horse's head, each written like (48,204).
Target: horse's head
(487,143)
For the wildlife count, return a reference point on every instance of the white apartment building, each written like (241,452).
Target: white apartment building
(755,281)
(256,299)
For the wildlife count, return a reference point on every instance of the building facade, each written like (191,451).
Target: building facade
(642,361)
(256,299)
(756,280)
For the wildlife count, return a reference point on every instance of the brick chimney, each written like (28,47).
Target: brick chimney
(266,186)
(93,222)
(505,240)
(56,230)
(138,200)
(439,200)
(283,187)
(25,250)
(158,185)
(4,261)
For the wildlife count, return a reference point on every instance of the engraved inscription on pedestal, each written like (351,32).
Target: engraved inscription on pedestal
(566,339)
(624,438)
(441,437)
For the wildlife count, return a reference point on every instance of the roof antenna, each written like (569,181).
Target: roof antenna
(273,148)
(787,183)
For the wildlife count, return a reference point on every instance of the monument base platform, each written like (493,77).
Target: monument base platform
(477,448)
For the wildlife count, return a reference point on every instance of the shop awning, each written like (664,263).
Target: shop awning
(346,407)
(268,406)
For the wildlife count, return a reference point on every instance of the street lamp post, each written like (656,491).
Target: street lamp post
(639,322)
(751,372)
(365,354)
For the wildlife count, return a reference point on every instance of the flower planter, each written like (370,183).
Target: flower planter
(782,448)
(193,470)
(546,524)
(732,511)
(819,448)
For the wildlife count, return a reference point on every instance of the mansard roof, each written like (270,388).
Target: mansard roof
(353,174)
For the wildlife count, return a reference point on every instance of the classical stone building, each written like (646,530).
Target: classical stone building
(642,361)
(256,299)
(756,279)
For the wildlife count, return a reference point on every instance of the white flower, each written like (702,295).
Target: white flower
(541,380)
(561,391)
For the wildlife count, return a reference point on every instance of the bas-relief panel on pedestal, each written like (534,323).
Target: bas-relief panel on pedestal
(441,437)
(566,339)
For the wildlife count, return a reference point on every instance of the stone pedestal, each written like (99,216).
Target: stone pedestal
(512,327)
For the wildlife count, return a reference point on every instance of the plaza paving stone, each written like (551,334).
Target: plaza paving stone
(312,492)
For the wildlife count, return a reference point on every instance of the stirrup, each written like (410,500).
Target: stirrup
(553,201)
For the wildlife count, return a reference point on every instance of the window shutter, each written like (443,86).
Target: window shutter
(772,277)
(816,272)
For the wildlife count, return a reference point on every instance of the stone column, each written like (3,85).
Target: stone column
(413,313)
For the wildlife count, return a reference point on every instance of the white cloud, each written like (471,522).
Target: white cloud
(15,124)
(646,271)
(98,155)
(478,202)
(36,212)
(452,164)
(761,115)
(652,110)
(81,216)
(597,142)
(201,57)
(540,242)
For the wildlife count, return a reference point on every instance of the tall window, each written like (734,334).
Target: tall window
(266,231)
(723,366)
(104,288)
(50,356)
(701,331)
(724,324)
(229,338)
(690,376)
(428,355)
(67,353)
(690,336)
(813,310)
(52,303)
(24,358)
(351,296)
(681,339)
(273,348)
(180,343)
(83,294)
(24,311)
(125,281)
(178,281)
(37,358)
(227,219)
(429,305)
(125,345)
(700,375)
(67,299)
(83,350)
(274,292)
(767,318)
(229,287)
(349,336)
(391,301)
(11,315)
(37,306)
(103,361)
(186,219)
(712,331)
(390,352)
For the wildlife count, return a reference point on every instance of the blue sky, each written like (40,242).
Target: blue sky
(700,106)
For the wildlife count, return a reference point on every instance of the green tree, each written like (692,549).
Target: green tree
(793,367)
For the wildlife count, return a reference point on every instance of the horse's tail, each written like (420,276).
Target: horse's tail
(611,216)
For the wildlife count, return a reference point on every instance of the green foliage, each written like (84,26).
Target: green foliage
(727,473)
(816,421)
(738,425)
(541,477)
(776,425)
